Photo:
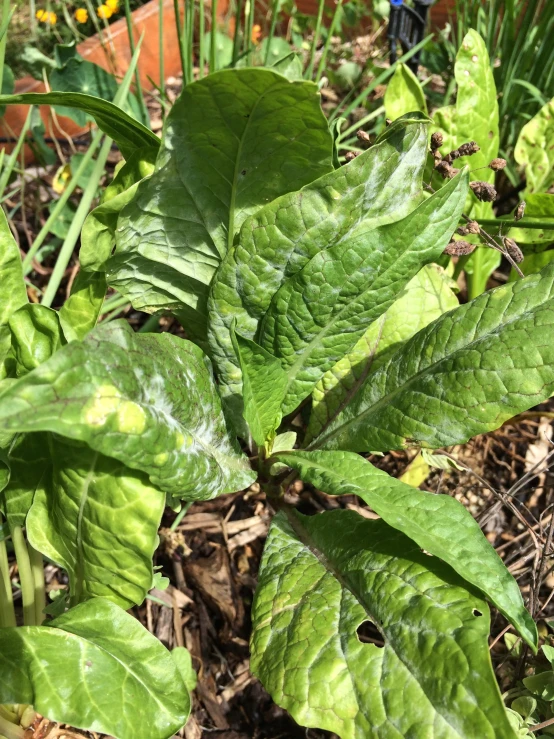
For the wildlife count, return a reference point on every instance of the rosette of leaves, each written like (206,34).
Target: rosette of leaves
(331,334)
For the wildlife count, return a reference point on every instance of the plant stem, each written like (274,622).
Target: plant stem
(151,324)
(274,16)
(180,36)
(37,568)
(236,39)
(201,32)
(248,28)
(25,576)
(7,613)
(310,68)
(140,94)
(182,513)
(3,40)
(9,730)
(189,30)
(161,50)
(336,16)
(535,224)
(76,225)
(213,30)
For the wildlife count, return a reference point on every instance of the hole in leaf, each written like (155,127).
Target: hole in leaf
(477,613)
(368,633)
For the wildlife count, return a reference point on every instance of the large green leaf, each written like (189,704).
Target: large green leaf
(128,133)
(36,335)
(28,461)
(13,293)
(438,523)
(426,297)
(380,186)
(233,142)
(99,520)
(404,94)
(322,577)
(148,400)
(464,374)
(80,312)
(317,316)
(535,150)
(95,668)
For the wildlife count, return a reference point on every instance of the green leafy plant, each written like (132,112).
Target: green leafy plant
(292,277)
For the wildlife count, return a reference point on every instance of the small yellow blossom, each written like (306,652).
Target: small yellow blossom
(256,33)
(81,15)
(113,5)
(104,11)
(45,17)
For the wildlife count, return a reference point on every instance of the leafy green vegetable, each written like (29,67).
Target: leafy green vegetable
(13,294)
(426,297)
(147,400)
(233,142)
(464,374)
(318,314)
(27,461)
(378,187)
(321,578)
(99,521)
(438,523)
(534,150)
(95,667)
(80,312)
(404,94)
(36,335)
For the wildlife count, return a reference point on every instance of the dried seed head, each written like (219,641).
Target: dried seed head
(473,228)
(467,149)
(513,249)
(520,211)
(459,248)
(446,170)
(388,121)
(436,140)
(437,156)
(350,155)
(498,164)
(462,231)
(363,137)
(483,191)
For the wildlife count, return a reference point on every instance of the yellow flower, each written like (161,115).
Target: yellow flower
(45,17)
(104,11)
(81,15)
(41,15)
(113,5)
(256,33)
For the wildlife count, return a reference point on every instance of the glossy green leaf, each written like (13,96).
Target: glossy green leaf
(233,142)
(263,384)
(380,186)
(27,461)
(95,668)
(404,94)
(321,577)
(464,374)
(439,524)
(128,133)
(183,660)
(535,150)
(148,400)
(426,297)
(13,293)
(98,520)
(36,336)
(318,315)
(80,312)
(290,66)
(98,234)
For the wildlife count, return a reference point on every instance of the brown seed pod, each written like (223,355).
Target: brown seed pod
(436,140)
(362,136)
(473,228)
(465,150)
(520,211)
(350,155)
(498,164)
(462,231)
(513,249)
(437,156)
(388,121)
(446,170)
(483,191)
(459,248)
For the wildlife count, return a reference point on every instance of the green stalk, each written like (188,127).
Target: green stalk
(6,16)
(274,15)
(213,31)
(113,302)
(535,224)
(201,32)
(7,613)
(152,324)
(180,38)
(12,159)
(323,60)
(76,224)
(37,568)
(25,576)
(161,49)
(310,68)
(9,730)
(143,110)
(189,30)
(236,39)
(248,28)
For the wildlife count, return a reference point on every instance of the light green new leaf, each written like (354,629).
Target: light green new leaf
(318,315)
(233,142)
(148,400)
(27,461)
(404,94)
(80,312)
(95,668)
(290,66)
(426,297)
(535,150)
(99,520)
(321,577)
(13,293)
(263,384)
(36,336)
(464,374)
(380,186)
(183,660)
(438,523)
(127,132)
